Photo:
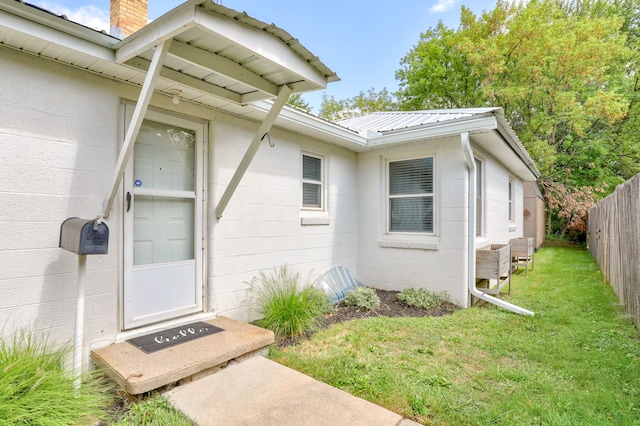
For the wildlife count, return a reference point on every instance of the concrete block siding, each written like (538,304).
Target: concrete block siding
(440,267)
(60,132)
(57,133)
(261,228)
(442,264)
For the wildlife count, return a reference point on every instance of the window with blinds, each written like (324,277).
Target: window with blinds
(411,201)
(312,182)
(511,215)
(479,198)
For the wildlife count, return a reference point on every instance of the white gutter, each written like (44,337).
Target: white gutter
(471,165)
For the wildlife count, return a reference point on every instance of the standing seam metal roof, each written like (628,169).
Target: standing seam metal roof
(396,120)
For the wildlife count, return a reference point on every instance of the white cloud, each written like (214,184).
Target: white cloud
(90,16)
(443,6)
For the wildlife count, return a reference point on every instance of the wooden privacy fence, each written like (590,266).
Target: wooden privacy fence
(614,241)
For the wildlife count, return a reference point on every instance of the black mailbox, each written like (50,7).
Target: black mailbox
(84,236)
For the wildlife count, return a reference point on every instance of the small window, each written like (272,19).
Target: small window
(411,201)
(479,198)
(312,178)
(510,200)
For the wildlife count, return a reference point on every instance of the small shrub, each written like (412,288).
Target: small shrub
(287,306)
(37,389)
(362,298)
(318,297)
(422,298)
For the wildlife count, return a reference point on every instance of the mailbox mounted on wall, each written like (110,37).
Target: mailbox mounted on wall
(84,236)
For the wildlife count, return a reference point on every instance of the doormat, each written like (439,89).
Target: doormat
(173,336)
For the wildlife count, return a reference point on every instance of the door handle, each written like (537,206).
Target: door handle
(128,201)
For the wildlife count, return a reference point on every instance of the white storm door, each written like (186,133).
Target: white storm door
(163,199)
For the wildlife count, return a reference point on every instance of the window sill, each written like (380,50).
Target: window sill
(482,242)
(315,220)
(415,242)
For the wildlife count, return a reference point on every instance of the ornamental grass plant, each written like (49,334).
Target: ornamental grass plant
(37,389)
(287,306)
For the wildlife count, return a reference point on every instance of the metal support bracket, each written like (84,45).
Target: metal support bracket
(265,127)
(136,122)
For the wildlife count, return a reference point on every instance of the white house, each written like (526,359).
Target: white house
(177,137)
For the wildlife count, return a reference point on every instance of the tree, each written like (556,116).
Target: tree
(298,101)
(437,73)
(563,72)
(363,103)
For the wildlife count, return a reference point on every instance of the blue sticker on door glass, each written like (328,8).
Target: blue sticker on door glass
(138,182)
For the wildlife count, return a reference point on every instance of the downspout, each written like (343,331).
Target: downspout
(471,165)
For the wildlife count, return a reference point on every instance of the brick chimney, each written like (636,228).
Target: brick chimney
(127,17)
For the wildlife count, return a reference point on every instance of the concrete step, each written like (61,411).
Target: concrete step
(138,372)
(262,392)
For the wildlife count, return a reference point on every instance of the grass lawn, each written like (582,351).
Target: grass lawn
(576,362)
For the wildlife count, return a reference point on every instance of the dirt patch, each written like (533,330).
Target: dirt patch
(390,307)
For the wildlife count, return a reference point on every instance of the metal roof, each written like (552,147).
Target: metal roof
(487,126)
(218,56)
(224,59)
(389,121)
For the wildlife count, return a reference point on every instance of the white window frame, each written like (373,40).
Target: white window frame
(321,183)
(389,196)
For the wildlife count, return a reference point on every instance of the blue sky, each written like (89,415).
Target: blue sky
(362,41)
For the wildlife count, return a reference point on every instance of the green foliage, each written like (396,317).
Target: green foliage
(155,411)
(362,298)
(422,298)
(36,389)
(576,362)
(565,74)
(372,101)
(288,306)
(437,73)
(298,101)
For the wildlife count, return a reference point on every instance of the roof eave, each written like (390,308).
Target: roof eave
(514,143)
(39,24)
(434,130)
(214,21)
(296,120)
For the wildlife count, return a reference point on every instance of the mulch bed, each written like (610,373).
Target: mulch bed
(390,307)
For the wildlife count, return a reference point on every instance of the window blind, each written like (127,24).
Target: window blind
(411,195)
(311,181)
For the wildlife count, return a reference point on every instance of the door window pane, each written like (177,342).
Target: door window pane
(164,230)
(164,157)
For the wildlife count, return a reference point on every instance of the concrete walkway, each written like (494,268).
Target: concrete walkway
(261,392)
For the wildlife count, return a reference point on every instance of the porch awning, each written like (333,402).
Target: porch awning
(200,51)
(220,56)
(209,54)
